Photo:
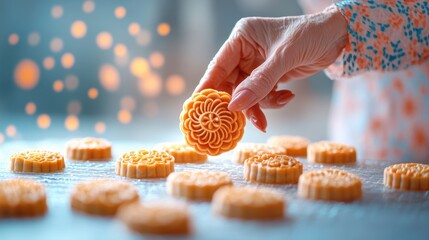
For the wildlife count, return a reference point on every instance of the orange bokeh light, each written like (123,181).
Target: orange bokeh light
(150,86)
(78,29)
(56,45)
(143,37)
(48,63)
(30,108)
(134,29)
(67,60)
(58,86)
(100,127)
(120,12)
(175,85)
(104,40)
(93,93)
(88,6)
(71,123)
(124,116)
(109,77)
(11,131)
(128,103)
(120,50)
(163,29)
(13,39)
(44,121)
(139,67)
(74,107)
(156,59)
(71,82)
(26,74)
(57,11)
(33,39)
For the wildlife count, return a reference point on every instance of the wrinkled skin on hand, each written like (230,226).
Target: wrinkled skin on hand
(261,52)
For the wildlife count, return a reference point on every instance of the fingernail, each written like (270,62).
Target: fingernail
(257,124)
(283,99)
(242,100)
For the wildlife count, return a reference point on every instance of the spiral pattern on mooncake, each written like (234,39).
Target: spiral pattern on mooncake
(209,127)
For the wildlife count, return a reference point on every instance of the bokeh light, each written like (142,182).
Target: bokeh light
(71,82)
(156,59)
(30,108)
(143,37)
(124,116)
(11,131)
(13,39)
(163,29)
(139,67)
(49,63)
(56,45)
(26,74)
(128,103)
(175,85)
(57,11)
(120,12)
(133,29)
(88,6)
(93,93)
(34,39)
(109,77)
(104,40)
(150,86)
(71,123)
(1,138)
(58,86)
(74,107)
(44,121)
(67,60)
(100,127)
(120,50)
(78,29)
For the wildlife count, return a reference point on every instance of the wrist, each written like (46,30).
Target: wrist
(335,23)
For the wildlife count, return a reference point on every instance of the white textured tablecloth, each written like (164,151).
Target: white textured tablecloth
(381,213)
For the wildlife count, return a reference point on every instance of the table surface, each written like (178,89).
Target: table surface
(381,213)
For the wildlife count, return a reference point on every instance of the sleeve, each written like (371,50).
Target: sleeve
(384,35)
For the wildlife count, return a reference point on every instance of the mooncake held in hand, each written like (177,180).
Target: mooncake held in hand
(208,125)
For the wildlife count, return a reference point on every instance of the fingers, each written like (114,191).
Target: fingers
(277,99)
(256,117)
(222,65)
(258,85)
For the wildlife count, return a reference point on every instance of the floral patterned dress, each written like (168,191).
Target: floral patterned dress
(381,99)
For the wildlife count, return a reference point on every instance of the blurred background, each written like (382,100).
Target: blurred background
(122,69)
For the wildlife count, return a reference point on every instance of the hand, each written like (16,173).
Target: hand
(261,52)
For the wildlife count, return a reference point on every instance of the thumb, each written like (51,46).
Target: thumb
(258,85)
